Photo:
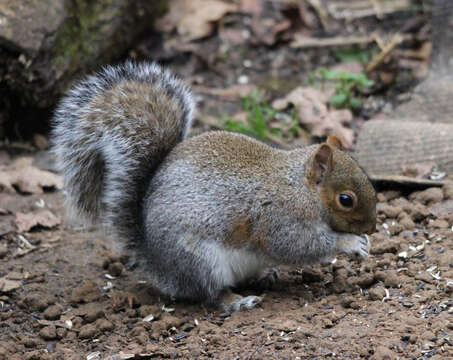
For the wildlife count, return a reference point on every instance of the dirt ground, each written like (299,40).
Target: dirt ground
(65,294)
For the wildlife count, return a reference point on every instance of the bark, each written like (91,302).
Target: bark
(44,44)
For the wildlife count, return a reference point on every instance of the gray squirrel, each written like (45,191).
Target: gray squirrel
(205,213)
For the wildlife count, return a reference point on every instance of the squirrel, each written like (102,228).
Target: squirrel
(205,213)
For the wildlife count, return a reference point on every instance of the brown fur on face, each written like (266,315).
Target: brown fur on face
(333,172)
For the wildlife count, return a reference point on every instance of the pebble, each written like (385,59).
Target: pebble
(87,292)
(447,190)
(418,212)
(310,275)
(439,223)
(146,310)
(104,325)
(61,333)
(391,279)
(406,222)
(365,280)
(29,342)
(376,294)
(428,196)
(37,301)
(424,276)
(383,353)
(3,251)
(48,332)
(87,331)
(53,312)
(116,269)
(385,246)
(388,210)
(93,313)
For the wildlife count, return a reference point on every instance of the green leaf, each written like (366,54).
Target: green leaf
(338,99)
(355,102)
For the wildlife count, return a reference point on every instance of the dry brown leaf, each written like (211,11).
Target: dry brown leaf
(27,178)
(44,218)
(194,19)
(253,7)
(7,285)
(311,104)
(12,281)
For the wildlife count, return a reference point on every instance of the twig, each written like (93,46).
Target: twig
(307,42)
(323,14)
(388,48)
(359,9)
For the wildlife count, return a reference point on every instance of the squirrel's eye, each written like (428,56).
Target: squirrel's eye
(346,200)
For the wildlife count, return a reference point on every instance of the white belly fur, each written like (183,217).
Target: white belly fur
(232,266)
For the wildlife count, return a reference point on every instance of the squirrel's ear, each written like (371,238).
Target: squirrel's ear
(335,142)
(321,164)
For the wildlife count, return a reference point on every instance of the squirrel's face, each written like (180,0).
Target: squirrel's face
(344,189)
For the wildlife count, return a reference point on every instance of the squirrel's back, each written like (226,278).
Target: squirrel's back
(111,131)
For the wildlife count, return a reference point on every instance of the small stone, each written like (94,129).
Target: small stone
(390,195)
(391,279)
(93,313)
(286,325)
(61,333)
(383,353)
(29,342)
(418,212)
(146,310)
(428,196)
(310,275)
(87,331)
(116,269)
(365,280)
(104,325)
(406,222)
(326,323)
(424,276)
(87,292)
(385,246)
(48,332)
(447,190)
(3,251)
(36,302)
(376,294)
(439,224)
(53,312)
(388,210)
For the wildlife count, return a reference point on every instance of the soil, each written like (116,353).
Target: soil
(74,297)
(65,293)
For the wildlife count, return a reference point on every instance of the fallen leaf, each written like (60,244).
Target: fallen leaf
(26,178)
(267,30)
(194,19)
(253,7)
(44,218)
(314,115)
(7,285)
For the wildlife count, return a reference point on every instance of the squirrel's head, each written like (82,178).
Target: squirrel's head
(343,187)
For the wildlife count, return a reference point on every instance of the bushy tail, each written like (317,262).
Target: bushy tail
(110,133)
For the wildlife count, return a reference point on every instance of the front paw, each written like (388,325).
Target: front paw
(265,280)
(354,245)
